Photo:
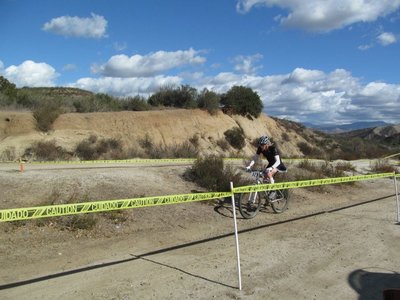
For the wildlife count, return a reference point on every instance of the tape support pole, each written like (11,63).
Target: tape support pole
(397,199)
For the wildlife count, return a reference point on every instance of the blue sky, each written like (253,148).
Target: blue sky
(323,62)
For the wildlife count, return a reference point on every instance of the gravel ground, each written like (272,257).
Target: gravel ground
(318,249)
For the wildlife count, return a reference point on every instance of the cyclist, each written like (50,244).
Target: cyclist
(271,153)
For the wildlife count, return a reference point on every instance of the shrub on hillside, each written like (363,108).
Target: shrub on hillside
(382,166)
(72,222)
(345,167)
(235,137)
(243,100)
(48,151)
(136,103)
(194,140)
(97,103)
(309,151)
(184,150)
(209,100)
(183,97)
(93,148)
(46,113)
(285,137)
(210,173)
(322,169)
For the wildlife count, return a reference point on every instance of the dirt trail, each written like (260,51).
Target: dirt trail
(187,251)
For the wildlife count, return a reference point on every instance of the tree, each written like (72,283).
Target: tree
(243,100)
(209,100)
(183,97)
(7,88)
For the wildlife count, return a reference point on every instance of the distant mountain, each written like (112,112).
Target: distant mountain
(384,135)
(346,127)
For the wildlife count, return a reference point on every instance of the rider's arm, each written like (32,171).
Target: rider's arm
(277,162)
(253,161)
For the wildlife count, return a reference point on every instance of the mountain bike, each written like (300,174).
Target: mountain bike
(250,203)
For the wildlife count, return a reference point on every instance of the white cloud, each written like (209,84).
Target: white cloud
(120,46)
(245,64)
(387,38)
(31,74)
(69,67)
(302,95)
(123,87)
(93,27)
(300,75)
(324,15)
(1,65)
(148,65)
(315,96)
(365,47)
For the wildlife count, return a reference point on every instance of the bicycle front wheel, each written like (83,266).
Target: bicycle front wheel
(281,202)
(249,204)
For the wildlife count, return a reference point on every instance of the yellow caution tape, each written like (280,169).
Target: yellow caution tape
(390,156)
(101,206)
(17,214)
(119,161)
(307,183)
(135,160)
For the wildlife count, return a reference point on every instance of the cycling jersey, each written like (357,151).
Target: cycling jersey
(270,154)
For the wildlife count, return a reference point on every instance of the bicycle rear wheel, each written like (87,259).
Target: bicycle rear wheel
(281,202)
(249,204)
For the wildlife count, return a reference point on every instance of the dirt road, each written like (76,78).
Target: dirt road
(316,250)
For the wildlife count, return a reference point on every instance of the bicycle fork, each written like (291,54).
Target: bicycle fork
(253,197)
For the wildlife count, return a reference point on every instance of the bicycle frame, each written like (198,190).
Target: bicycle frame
(250,203)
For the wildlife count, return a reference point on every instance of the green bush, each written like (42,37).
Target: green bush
(146,143)
(93,148)
(184,150)
(46,113)
(382,166)
(183,97)
(210,101)
(48,151)
(7,88)
(235,137)
(210,173)
(85,150)
(345,167)
(70,222)
(136,103)
(309,151)
(96,103)
(243,100)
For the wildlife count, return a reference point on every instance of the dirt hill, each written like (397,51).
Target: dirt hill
(387,135)
(165,127)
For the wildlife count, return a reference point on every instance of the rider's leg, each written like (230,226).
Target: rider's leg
(271,174)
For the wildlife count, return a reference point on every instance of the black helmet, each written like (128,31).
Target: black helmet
(264,140)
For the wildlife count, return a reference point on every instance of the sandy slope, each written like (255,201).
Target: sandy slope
(175,126)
